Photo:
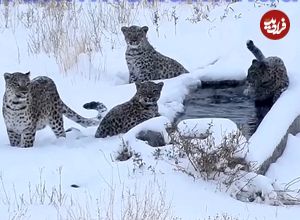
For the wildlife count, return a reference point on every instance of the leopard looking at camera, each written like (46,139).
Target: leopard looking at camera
(30,105)
(143,61)
(141,107)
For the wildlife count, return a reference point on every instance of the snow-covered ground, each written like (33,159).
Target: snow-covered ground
(35,182)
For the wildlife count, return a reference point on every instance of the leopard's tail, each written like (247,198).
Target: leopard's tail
(85,122)
(256,52)
(98,106)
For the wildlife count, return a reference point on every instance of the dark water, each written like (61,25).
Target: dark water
(223,99)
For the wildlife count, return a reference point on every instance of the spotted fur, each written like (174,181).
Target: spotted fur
(30,105)
(143,61)
(267,77)
(141,107)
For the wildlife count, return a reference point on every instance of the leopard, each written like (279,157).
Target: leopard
(143,61)
(141,107)
(31,105)
(266,80)
(267,77)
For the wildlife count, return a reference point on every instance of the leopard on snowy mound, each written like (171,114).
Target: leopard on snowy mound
(141,107)
(143,61)
(30,105)
(267,76)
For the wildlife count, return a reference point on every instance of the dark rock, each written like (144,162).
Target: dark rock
(153,138)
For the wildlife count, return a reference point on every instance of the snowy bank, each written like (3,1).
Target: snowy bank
(269,141)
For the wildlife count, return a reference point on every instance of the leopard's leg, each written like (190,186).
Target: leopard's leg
(14,138)
(102,132)
(28,136)
(276,96)
(132,77)
(56,123)
(278,93)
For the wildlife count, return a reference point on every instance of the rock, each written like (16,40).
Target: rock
(153,138)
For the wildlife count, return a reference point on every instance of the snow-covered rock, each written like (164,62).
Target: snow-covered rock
(202,127)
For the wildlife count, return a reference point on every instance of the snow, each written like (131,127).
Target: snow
(158,124)
(284,117)
(217,128)
(91,163)
(285,170)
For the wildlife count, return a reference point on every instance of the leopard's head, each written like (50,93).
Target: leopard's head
(149,92)
(17,84)
(256,72)
(135,36)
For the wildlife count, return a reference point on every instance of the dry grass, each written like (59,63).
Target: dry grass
(67,29)
(131,204)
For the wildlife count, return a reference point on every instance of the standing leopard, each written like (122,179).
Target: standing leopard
(30,105)
(141,107)
(267,77)
(143,61)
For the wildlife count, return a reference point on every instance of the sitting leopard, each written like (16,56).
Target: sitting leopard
(143,61)
(30,105)
(141,107)
(267,77)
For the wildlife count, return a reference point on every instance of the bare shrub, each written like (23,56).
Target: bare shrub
(125,153)
(202,9)
(225,162)
(212,160)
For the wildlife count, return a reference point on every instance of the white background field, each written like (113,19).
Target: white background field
(82,49)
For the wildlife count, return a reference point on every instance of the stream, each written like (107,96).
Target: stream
(222,99)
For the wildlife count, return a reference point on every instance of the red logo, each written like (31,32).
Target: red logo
(275,24)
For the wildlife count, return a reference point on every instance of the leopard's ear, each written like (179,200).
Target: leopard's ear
(145,29)
(161,84)
(7,76)
(138,85)
(124,29)
(28,73)
(254,61)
